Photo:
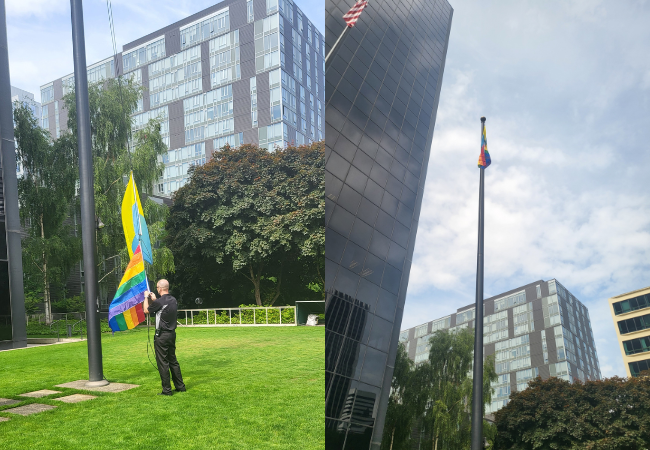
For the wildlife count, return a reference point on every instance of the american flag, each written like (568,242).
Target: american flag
(352,16)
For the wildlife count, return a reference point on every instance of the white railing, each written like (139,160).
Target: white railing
(40,318)
(226,317)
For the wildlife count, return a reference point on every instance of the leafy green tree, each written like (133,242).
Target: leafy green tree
(46,193)
(116,152)
(447,381)
(405,403)
(597,415)
(250,214)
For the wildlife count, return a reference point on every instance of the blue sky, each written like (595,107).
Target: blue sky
(565,87)
(40,34)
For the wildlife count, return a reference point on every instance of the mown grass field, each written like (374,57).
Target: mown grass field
(247,388)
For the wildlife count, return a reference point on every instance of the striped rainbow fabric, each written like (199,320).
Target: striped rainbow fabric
(484,159)
(125,311)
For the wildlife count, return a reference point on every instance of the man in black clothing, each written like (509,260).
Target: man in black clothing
(166,309)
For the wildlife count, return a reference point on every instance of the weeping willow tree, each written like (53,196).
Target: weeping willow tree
(117,151)
(447,381)
(46,193)
(406,402)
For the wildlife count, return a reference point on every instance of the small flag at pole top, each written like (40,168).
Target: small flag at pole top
(352,16)
(484,158)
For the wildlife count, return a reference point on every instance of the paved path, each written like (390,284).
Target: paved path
(27,409)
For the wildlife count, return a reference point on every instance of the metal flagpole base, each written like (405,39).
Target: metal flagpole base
(94,384)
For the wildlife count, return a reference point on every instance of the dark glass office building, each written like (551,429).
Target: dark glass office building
(382,90)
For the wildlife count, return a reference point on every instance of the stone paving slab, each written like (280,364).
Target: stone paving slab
(39,394)
(113,387)
(75,398)
(30,409)
(8,401)
(4,419)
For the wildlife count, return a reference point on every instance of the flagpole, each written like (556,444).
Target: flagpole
(350,18)
(345,30)
(477,391)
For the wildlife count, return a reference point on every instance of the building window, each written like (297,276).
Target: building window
(510,301)
(209,115)
(421,330)
(224,59)
(253,88)
(465,316)
(632,304)
(634,324)
(249,9)
(175,77)
(267,43)
(275,95)
(143,55)
(56,119)
(45,119)
(271,136)
(161,115)
(47,94)
(299,18)
(639,366)
(207,28)
(234,140)
(271,6)
(286,8)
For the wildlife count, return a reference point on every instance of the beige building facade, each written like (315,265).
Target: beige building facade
(631,314)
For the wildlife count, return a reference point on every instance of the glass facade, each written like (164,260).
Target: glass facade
(219,79)
(25,99)
(632,304)
(637,367)
(540,329)
(382,90)
(5,301)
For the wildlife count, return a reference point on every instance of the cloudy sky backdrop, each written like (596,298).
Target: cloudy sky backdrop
(565,87)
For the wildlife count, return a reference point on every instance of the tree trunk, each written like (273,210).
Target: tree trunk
(46,283)
(277,287)
(256,284)
(392,437)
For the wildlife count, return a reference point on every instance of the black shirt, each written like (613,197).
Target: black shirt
(166,310)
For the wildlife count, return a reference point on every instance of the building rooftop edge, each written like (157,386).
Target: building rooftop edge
(630,293)
(471,305)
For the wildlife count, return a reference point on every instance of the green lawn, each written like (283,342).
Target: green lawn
(247,388)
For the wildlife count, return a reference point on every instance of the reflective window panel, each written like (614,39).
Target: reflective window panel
(382,85)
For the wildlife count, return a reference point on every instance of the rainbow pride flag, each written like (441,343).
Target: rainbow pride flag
(484,158)
(135,227)
(125,311)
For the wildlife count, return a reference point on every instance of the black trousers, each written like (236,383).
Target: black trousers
(165,347)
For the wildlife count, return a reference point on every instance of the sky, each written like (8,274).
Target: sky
(40,34)
(565,88)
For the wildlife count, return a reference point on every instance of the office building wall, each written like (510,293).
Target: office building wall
(539,329)
(241,71)
(631,314)
(382,91)
(6,332)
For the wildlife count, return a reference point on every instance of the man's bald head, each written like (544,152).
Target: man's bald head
(162,286)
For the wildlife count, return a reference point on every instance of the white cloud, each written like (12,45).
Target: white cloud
(39,8)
